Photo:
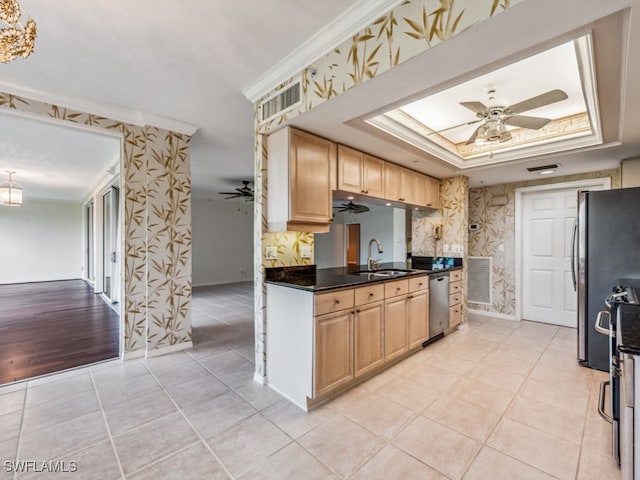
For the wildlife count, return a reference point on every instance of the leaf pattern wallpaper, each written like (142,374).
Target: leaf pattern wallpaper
(497,227)
(408,30)
(156,188)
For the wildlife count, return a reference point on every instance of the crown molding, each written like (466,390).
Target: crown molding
(360,15)
(103,109)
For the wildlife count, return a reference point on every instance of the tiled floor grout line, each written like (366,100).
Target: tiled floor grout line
(106,424)
(186,419)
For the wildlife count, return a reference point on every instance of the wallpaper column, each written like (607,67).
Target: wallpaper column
(156,264)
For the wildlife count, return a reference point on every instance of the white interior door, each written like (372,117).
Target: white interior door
(547,285)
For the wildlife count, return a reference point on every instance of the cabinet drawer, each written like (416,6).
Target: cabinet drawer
(454,287)
(454,315)
(368,294)
(399,287)
(333,301)
(455,299)
(418,283)
(455,275)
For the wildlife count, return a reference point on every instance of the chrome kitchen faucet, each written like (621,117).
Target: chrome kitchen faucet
(371,263)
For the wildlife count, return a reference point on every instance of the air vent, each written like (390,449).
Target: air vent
(479,280)
(544,167)
(280,102)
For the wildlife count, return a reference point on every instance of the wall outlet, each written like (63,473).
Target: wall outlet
(271,253)
(445,248)
(305,251)
(456,248)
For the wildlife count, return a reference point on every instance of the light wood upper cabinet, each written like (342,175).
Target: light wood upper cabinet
(432,187)
(368,348)
(373,173)
(350,166)
(407,185)
(333,351)
(299,181)
(360,173)
(419,191)
(392,182)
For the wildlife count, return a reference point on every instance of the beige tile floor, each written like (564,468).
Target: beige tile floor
(499,400)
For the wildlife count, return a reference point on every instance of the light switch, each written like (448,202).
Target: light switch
(305,251)
(456,248)
(445,248)
(501,247)
(271,253)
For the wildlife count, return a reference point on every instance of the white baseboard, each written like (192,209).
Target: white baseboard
(501,316)
(173,348)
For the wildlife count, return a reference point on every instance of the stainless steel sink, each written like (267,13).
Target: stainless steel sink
(383,272)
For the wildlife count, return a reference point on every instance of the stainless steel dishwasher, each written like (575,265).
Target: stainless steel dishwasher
(438,303)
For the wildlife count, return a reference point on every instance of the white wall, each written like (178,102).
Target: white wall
(384,223)
(41,241)
(222,241)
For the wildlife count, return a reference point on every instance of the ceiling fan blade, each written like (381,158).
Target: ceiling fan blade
(473,136)
(234,195)
(228,193)
(522,121)
(552,96)
(476,107)
(360,209)
(455,126)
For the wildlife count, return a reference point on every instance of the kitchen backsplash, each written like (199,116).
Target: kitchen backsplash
(289,247)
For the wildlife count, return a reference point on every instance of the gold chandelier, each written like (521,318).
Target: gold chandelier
(16,39)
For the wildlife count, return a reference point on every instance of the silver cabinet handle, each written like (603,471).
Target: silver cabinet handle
(599,327)
(603,386)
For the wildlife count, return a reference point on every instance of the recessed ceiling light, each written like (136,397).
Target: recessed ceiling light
(350,198)
(546,172)
(388,204)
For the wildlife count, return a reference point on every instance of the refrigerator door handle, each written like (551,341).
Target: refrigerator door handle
(574,256)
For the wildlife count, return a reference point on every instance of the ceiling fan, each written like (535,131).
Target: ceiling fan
(352,207)
(245,191)
(498,115)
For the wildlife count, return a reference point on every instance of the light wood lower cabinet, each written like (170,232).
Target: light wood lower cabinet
(368,348)
(320,344)
(395,327)
(455,298)
(418,316)
(333,351)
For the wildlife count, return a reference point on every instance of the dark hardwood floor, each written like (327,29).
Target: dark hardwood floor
(46,327)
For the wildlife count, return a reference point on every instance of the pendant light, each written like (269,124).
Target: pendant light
(10,192)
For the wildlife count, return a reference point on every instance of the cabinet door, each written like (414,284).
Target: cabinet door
(392,182)
(455,314)
(373,176)
(350,171)
(310,160)
(407,185)
(333,351)
(432,192)
(418,309)
(368,348)
(419,189)
(395,327)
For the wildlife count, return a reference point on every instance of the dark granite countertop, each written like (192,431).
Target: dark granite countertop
(628,328)
(320,279)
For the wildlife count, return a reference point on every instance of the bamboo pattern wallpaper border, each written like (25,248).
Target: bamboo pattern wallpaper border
(156,186)
(409,29)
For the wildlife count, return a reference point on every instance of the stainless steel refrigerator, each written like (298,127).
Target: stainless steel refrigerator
(606,254)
